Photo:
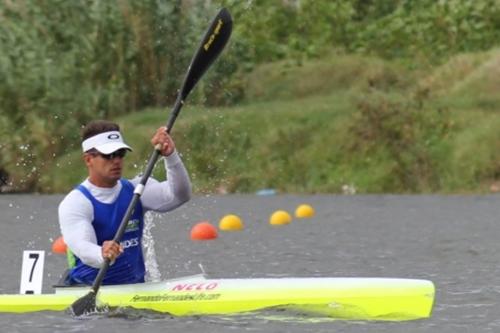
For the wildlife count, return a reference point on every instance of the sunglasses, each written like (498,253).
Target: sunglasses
(119,153)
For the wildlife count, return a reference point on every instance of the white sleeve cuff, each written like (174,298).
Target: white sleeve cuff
(172,159)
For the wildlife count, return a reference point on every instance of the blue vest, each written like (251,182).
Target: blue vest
(129,266)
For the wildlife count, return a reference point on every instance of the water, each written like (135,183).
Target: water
(451,240)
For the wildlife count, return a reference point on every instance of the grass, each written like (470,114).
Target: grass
(326,124)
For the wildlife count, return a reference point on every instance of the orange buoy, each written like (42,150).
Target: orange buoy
(59,246)
(203,231)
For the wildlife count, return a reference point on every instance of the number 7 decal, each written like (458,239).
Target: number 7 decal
(32,272)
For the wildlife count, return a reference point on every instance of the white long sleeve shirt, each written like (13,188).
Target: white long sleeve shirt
(76,212)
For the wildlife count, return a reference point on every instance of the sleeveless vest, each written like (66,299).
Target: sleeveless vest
(129,266)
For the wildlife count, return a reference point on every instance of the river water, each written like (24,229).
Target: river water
(450,240)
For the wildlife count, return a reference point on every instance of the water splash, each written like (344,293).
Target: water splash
(153,273)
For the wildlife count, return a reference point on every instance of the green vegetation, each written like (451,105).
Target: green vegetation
(356,122)
(311,95)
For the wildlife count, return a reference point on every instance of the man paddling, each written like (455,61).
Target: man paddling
(90,214)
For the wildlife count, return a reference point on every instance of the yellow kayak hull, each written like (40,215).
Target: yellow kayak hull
(342,298)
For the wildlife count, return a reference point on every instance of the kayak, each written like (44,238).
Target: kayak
(342,298)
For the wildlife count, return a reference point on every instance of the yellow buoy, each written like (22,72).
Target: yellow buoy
(303,211)
(230,223)
(280,217)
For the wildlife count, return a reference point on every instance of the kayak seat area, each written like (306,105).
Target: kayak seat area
(63,281)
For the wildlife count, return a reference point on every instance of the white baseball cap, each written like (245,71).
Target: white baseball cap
(105,143)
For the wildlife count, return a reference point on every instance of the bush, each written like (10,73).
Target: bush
(66,62)
(407,133)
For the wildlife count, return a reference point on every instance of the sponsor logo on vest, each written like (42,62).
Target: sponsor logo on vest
(195,286)
(130,242)
(132,225)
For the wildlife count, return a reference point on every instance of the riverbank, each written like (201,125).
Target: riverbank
(323,126)
(348,122)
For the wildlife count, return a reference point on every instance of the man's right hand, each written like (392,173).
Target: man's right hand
(163,141)
(111,250)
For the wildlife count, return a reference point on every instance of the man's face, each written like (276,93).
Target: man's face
(105,170)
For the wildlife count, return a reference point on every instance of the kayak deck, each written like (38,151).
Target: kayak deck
(343,298)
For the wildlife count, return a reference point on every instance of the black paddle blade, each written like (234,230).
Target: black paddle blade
(211,46)
(84,305)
